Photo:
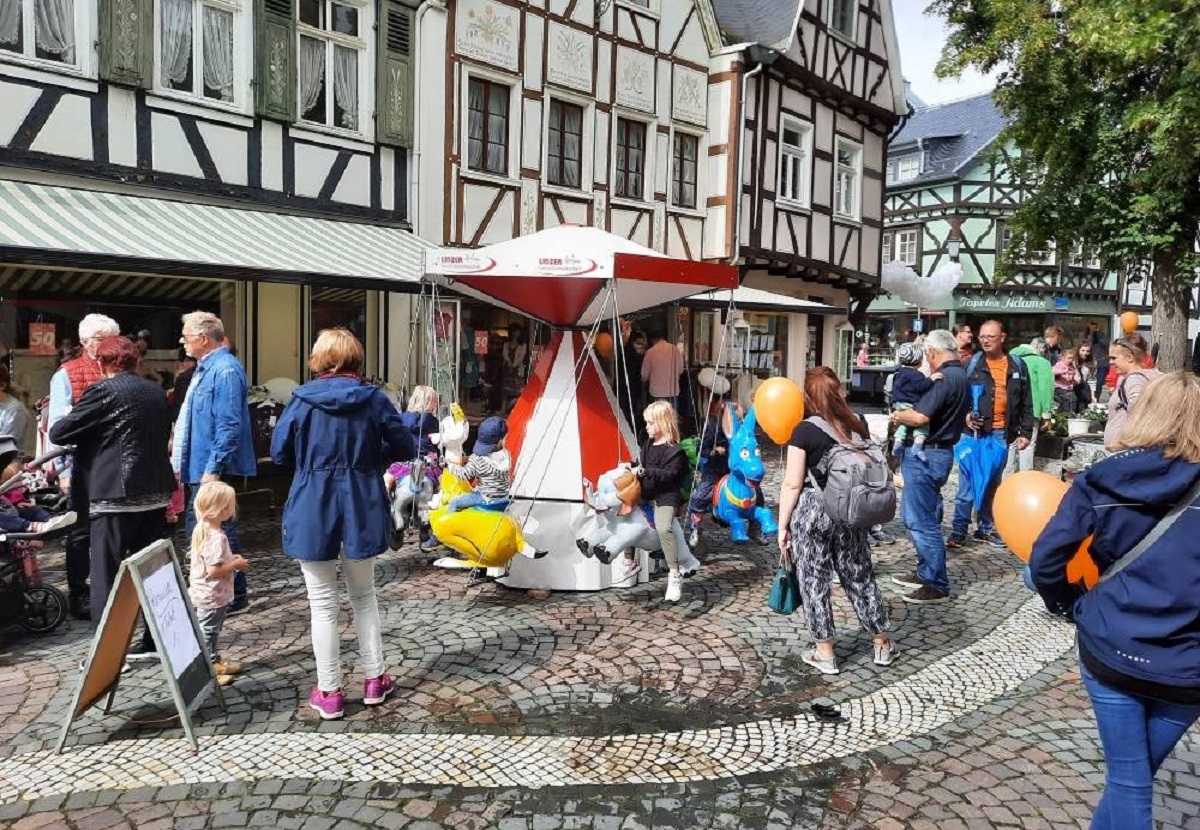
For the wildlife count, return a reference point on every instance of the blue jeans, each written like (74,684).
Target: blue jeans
(964,501)
(230,531)
(921,509)
(1137,734)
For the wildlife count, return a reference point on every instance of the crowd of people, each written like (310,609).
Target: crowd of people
(137,462)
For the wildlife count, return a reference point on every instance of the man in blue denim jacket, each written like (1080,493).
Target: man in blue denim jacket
(212,433)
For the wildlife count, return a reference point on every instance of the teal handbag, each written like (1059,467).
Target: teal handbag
(785,589)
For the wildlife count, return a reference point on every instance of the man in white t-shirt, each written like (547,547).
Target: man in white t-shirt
(661,368)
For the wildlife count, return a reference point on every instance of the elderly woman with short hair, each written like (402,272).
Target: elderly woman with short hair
(339,433)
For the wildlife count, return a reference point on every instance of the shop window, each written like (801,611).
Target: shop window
(683,170)
(564,144)
(487,126)
(43,30)
(629,178)
(795,167)
(843,17)
(765,344)
(200,48)
(332,61)
(703,348)
(339,308)
(847,194)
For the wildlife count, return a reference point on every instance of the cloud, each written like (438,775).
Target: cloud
(921,40)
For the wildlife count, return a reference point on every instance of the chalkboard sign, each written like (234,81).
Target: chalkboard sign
(152,582)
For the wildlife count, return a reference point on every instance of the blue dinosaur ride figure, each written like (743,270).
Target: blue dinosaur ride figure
(735,498)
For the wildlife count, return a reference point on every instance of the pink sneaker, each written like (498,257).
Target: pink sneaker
(376,689)
(329,705)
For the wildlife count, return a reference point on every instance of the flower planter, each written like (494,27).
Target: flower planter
(1052,446)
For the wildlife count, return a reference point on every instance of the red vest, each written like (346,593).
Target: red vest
(82,372)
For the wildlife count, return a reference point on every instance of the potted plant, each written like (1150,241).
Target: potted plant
(1097,416)
(1052,440)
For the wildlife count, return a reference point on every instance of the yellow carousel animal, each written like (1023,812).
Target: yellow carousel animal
(484,536)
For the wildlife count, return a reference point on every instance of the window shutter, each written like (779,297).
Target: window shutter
(275,58)
(127,42)
(393,101)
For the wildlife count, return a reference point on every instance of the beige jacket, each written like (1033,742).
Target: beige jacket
(1124,398)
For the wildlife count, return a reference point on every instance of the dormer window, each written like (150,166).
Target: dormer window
(903,168)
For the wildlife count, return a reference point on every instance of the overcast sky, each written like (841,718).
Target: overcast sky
(921,41)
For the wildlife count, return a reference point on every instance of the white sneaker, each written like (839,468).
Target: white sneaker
(674,587)
(624,569)
(55,522)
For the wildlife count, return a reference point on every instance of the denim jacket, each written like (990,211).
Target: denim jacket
(218,438)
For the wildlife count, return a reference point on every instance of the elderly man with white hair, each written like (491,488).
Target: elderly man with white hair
(943,411)
(67,386)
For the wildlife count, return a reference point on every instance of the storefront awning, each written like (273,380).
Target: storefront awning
(755,299)
(93,230)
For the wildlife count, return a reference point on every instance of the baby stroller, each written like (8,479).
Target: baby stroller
(24,599)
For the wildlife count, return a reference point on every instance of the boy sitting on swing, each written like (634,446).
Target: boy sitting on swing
(488,465)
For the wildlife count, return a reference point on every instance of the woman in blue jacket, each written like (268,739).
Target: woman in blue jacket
(339,433)
(1139,628)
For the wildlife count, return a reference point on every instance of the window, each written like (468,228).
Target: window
(848,180)
(195,48)
(41,29)
(795,177)
(889,248)
(487,126)
(332,50)
(843,17)
(906,246)
(904,168)
(683,170)
(564,145)
(629,181)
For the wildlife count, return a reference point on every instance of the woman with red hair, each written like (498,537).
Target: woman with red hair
(818,545)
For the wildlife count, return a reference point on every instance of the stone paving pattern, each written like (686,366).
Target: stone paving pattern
(983,722)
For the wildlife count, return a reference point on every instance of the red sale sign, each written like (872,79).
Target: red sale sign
(41,338)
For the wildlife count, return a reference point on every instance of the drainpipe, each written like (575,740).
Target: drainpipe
(764,56)
(415,189)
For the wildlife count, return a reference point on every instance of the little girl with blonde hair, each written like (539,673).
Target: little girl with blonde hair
(663,470)
(213,567)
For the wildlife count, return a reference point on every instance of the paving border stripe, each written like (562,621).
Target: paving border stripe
(954,686)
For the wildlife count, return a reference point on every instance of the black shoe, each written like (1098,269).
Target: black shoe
(992,539)
(583,547)
(140,653)
(908,580)
(602,554)
(81,606)
(238,605)
(925,595)
(882,537)
(955,541)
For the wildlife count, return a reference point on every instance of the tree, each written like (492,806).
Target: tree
(1103,101)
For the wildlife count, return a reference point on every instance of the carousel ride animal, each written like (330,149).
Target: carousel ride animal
(627,526)
(735,498)
(412,494)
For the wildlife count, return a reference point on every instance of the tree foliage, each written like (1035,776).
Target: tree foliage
(1103,101)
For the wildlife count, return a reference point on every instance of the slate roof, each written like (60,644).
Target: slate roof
(769,22)
(952,134)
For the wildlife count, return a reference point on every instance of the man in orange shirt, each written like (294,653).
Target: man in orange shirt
(1006,410)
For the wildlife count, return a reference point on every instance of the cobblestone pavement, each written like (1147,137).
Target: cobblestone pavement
(606,710)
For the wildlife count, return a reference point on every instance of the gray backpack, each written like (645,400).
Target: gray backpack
(859,490)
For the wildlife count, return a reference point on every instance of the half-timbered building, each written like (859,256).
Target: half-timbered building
(817,91)
(950,190)
(249,157)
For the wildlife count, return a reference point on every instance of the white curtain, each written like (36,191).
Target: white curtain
(572,133)
(312,74)
(10,22)
(55,25)
(475,126)
(345,85)
(218,51)
(176,40)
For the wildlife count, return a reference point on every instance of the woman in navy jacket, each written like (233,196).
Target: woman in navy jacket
(339,433)
(1139,631)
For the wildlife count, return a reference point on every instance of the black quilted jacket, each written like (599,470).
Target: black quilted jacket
(120,429)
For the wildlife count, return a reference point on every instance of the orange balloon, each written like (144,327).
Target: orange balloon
(779,408)
(604,345)
(1129,322)
(1023,506)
